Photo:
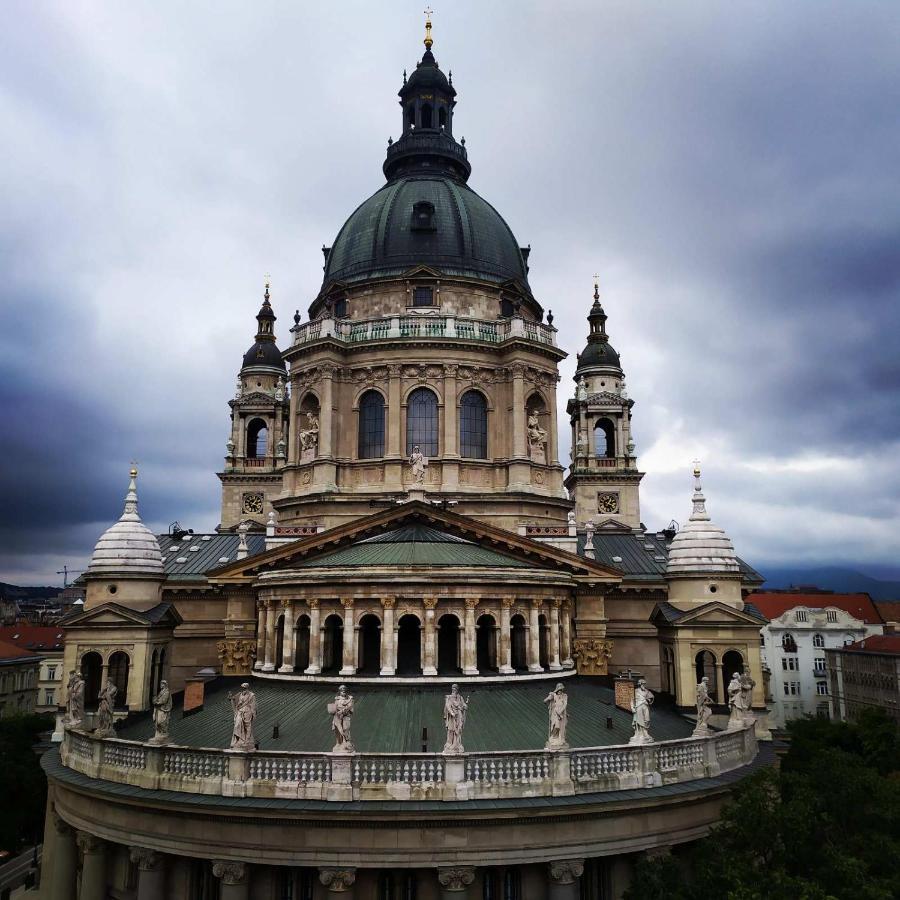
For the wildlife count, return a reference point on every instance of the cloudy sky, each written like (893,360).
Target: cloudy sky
(730,170)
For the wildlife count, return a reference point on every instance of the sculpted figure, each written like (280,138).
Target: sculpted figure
(747,685)
(75,700)
(341,709)
(107,698)
(309,437)
(418,464)
(736,702)
(640,720)
(557,708)
(704,707)
(536,434)
(455,708)
(162,713)
(581,391)
(279,388)
(239,390)
(243,705)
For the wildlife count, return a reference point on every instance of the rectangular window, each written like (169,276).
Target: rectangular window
(821,688)
(795,688)
(786,689)
(49,698)
(423,296)
(801,615)
(831,615)
(820,663)
(784,663)
(51,673)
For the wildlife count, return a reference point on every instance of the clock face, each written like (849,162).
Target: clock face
(253,503)
(608,503)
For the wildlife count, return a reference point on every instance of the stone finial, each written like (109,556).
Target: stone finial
(243,550)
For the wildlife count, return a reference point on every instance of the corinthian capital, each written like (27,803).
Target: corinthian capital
(145,859)
(456,878)
(337,880)
(88,843)
(565,871)
(230,871)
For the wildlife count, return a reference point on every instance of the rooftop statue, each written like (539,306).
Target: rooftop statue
(105,726)
(640,720)
(243,705)
(162,713)
(557,708)
(704,708)
(736,703)
(747,685)
(74,700)
(417,465)
(455,708)
(341,711)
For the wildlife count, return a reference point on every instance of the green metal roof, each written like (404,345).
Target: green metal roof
(189,557)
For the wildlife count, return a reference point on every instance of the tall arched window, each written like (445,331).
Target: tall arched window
(473,425)
(371,425)
(257,439)
(604,438)
(422,422)
(427,111)
(818,640)
(118,675)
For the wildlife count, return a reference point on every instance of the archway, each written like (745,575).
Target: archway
(332,645)
(369,645)
(409,646)
(486,644)
(543,642)
(448,645)
(279,642)
(732,662)
(91,672)
(301,644)
(705,664)
(518,643)
(118,675)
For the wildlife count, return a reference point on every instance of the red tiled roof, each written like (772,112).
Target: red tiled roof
(775,603)
(33,637)
(877,643)
(9,652)
(889,609)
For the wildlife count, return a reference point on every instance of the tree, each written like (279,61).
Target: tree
(23,785)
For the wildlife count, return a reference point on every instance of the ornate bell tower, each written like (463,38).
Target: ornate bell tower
(256,450)
(603,478)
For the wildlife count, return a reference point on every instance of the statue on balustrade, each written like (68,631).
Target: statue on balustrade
(162,713)
(704,708)
(309,437)
(557,707)
(640,720)
(417,465)
(455,708)
(243,706)
(736,703)
(747,685)
(74,700)
(341,711)
(107,698)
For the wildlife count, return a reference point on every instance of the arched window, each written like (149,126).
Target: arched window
(371,425)
(118,675)
(422,422)
(91,672)
(473,425)
(788,644)
(818,640)
(427,111)
(257,439)
(411,115)
(604,438)
(442,116)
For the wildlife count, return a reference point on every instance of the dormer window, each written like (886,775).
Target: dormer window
(423,296)
(340,308)
(506,308)
(423,217)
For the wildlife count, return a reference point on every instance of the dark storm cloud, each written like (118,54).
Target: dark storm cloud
(729,169)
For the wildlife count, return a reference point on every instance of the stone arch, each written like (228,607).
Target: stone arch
(91,672)
(409,645)
(332,644)
(518,634)
(732,661)
(474,424)
(370,424)
(448,637)
(543,642)
(257,444)
(279,641)
(486,643)
(423,420)
(301,643)
(118,669)
(604,438)
(369,644)
(705,664)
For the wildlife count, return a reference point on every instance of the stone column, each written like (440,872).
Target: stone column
(93,866)
(506,636)
(567,662)
(518,411)
(325,412)
(339,882)
(151,873)
(62,876)
(430,663)
(347,667)
(562,879)
(293,453)
(315,639)
(721,687)
(233,875)
(455,881)
(287,640)
(469,649)
(388,665)
(555,663)
(451,429)
(260,634)
(534,638)
(393,413)
(269,664)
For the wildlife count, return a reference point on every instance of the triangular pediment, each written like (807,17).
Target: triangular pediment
(612,525)
(714,615)
(114,615)
(421,272)
(415,534)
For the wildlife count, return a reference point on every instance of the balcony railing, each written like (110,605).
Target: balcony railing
(352,331)
(406,776)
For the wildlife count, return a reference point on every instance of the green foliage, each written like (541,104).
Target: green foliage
(23,785)
(825,826)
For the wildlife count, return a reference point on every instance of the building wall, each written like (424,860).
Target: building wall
(863,680)
(50,682)
(18,687)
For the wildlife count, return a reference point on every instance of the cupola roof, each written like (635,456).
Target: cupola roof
(701,547)
(128,547)
(599,352)
(264,352)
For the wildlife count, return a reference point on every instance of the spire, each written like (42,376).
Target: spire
(699,513)
(428,41)
(130,513)
(597,317)
(265,318)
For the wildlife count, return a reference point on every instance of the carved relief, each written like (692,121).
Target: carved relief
(592,655)
(237,656)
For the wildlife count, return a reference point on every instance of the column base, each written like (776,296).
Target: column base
(386,671)
(534,667)
(257,666)
(348,670)
(470,670)
(287,669)
(555,667)
(268,667)
(312,670)
(507,670)
(429,670)
(568,663)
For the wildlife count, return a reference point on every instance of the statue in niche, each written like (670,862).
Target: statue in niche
(747,685)
(309,437)
(239,390)
(279,389)
(107,698)
(536,434)
(243,706)
(74,700)
(341,711)
(736,703)
(557,708)
(162,714)
(640,720)
(455,708)
(581,390)
(418,463)
(704,707)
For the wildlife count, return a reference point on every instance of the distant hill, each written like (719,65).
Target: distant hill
(15,592)
(832,578)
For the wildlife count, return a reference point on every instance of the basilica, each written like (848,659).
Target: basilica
(396,520)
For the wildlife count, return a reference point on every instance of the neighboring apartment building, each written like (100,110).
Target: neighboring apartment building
(47,641)
(18,680)
(865,675)
(803,625)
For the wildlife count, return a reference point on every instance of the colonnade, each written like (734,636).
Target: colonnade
(555,613)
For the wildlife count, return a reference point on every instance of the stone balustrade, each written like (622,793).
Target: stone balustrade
(406,776)
(352,331)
